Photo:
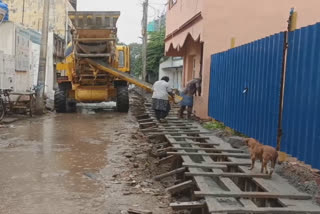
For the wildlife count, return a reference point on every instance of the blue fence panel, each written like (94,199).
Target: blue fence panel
(256,67)
(301,113)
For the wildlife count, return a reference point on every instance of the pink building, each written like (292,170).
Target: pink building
(196,29)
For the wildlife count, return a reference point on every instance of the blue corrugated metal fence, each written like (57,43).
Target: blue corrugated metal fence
(245,88)
(257,68)
(301,112)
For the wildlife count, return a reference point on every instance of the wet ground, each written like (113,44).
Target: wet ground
(74,163)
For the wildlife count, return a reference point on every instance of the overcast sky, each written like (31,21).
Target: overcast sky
(129,24)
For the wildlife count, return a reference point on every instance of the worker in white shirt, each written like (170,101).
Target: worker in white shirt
(160,98)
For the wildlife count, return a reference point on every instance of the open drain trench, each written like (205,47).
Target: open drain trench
(217,172)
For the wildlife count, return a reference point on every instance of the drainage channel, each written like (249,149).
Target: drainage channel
(216,173)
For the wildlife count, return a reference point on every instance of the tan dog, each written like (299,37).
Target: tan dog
(262,153)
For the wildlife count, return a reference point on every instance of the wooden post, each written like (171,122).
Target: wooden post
(167,174)
(180,187)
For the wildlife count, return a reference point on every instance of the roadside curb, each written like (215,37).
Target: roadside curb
(9,120)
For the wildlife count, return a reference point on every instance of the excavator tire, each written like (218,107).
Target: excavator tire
(122,99)
(60,101)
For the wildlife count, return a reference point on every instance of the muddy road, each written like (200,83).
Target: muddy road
(76,163)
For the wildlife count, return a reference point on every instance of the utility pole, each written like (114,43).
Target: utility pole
(43,59)
(66,25)
(159,20)
(23,12)
(144,39)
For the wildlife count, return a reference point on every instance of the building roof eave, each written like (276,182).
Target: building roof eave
(175,41)
(183,27)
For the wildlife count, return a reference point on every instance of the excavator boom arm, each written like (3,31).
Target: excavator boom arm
(103,66)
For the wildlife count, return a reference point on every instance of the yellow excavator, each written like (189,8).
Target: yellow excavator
(95,68)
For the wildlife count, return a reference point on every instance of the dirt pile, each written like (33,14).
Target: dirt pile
(302,177)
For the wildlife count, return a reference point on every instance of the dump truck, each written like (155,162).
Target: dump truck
(95,69)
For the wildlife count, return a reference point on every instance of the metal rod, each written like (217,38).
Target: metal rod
(94,39)
(283,80)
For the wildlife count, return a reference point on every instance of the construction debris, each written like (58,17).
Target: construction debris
(136,211)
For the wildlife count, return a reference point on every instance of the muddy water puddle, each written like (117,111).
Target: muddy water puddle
(52,164)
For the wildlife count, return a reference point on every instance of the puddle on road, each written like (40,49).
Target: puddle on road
(54,162)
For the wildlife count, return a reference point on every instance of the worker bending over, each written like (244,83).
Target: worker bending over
(160,98)
(187,103)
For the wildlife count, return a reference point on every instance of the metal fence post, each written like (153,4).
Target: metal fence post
(233,42)
(292,25)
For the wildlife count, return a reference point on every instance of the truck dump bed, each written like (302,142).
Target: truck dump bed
(87,20)
(95,33)
(95,39)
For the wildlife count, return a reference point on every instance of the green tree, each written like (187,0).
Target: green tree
(155,53)
(136,59)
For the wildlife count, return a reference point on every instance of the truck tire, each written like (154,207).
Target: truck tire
(60,101)
(2,109)
(122,99)
(71,106)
